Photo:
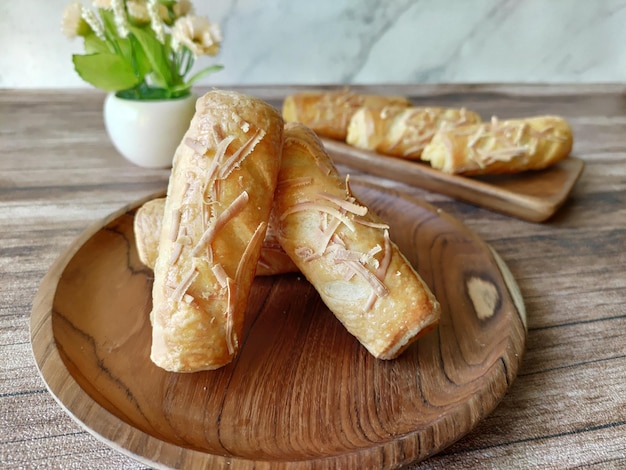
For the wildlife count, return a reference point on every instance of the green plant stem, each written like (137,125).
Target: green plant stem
(138,66)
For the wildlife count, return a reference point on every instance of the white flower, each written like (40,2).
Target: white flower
(119,13)
(90,18)
(104,4)
(155,21)
(199,35)
(138,11)
(182,8)
(72,23)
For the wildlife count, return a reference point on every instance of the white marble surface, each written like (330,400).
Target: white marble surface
(360,42)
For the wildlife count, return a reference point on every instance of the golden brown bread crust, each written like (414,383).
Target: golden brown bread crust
(273,259)
(400,131)
(147,230)
(147,227)
(217,209)
(328,112)
(499,147)
(345,252)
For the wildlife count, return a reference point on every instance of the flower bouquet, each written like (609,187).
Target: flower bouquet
(141,52)
(141,49)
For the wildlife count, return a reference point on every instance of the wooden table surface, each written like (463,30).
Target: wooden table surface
(59,174)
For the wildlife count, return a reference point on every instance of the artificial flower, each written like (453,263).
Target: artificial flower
(105,4)
(73,24)
(94,23)
(138,11)
(182,8)
(156,23)
(198,34)
(134,48)
(121,20)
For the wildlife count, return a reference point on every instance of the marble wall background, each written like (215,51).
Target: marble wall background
(360,42)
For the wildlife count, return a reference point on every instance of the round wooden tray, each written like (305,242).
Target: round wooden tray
(302,391)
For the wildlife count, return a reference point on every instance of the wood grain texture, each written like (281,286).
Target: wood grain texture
(336,404)
(533,195)
(567,407)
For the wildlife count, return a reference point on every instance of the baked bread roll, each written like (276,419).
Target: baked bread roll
(345,251)
(500,147)
(216,213)
(147,227)
(400,131)
(328,112)
(147,230)
(273,259)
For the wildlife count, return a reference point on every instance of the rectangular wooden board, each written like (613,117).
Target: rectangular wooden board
(533,195)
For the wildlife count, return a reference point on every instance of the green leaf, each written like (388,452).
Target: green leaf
(94,44)
(126,49)
(203,73)
(108,20)
(144,93)
(155,54)
(140,61)
(106,71)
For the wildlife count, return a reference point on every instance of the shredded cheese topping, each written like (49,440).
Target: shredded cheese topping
(335,212)
(185,284)
(220,221)
(500,141)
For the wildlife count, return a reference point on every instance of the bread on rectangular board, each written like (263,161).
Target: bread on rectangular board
(328,112)
(346,253)
(147,229)
(216,213)
(499,147)
(400,131)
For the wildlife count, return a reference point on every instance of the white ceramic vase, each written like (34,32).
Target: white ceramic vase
(147,132)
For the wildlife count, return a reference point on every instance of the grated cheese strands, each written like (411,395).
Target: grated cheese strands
(188,189)
(376,284)
(324,222)
(369,223)
(176,252)
(318,206)
(369,257)
(210,189)
(348,188)
(348,206)
(327,235)
(218,158)
(253,246)
(384,312)
(520,133)
(503,154)
(381,272)
(230,309)
(240,155)
(305,253)
(404,131)
(220,275)
(196,146)
(217,208)
(476,137)
(353,260)
(340,254)
(185,284)
(220,221)
(176,216)
(371,301)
